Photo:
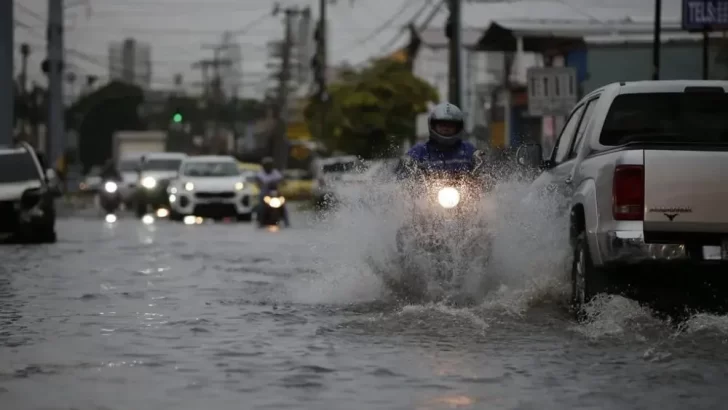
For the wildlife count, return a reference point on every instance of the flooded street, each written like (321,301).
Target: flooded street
(225,316)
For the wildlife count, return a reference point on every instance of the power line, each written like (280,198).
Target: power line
(376,32)
(395,39)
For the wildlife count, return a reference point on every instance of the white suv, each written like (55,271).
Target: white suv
(211,186)
(27,209)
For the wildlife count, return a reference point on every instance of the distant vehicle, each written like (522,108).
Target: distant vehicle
(91,182)
(211,186)
(329,171)
(27,209)
(156,171)
(643,167)
(129,168)
(272,208)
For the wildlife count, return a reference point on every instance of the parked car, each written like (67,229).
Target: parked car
(27,206)
(643,167)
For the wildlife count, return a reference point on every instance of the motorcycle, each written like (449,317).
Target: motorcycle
(109,197)
(272,208)
(442,228)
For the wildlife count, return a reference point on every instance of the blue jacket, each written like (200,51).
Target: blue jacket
(458,158)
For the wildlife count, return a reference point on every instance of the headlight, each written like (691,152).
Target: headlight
(189,186)
(173,190)
(110,187)
(149,182)
(448,197)
(274,202)
(239,186)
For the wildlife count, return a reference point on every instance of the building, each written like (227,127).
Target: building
(231,75)
(131,62)
(486,73)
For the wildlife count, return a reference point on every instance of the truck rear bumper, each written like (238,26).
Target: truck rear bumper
(629,248)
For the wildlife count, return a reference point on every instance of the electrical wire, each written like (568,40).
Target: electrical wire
(435,9)
(378,31)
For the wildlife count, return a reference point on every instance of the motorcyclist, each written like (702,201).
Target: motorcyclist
(266,178)
(445,150)
(110,172)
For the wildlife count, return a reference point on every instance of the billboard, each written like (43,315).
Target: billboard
(700,15)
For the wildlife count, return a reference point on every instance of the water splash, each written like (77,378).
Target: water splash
(516,261)
(526,267)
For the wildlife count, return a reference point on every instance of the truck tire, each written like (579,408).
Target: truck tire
(587,280)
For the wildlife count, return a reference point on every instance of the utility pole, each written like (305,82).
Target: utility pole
(7,52)
(453,31)
(24,53)
(656,43)
(322,67)
(212,92)
(280,139)
(56,138)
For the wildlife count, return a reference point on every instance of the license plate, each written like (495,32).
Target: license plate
(716,253)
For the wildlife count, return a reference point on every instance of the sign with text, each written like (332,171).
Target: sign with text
(551,90)
(699,15)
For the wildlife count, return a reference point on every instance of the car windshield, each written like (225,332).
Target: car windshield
(210,169)
(162,164)
(17,167)
(689,117)
(128,165)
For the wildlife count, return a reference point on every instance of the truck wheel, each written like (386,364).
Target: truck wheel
(586,280)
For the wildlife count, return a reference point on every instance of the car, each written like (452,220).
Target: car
(27,199)
(211,186)
(155,173)
(91,182)
(328,172)
(129,169)
(642,166)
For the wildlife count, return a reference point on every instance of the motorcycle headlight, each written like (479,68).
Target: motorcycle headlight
(149,183)
(110,187)
(276,202)
(189,186)
(448,197)
(239,186)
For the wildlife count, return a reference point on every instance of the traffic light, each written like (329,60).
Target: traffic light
(177,118)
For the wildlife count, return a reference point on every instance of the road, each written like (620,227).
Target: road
(224,316)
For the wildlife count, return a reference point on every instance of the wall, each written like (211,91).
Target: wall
(607,64)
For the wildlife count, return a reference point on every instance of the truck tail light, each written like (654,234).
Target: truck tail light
(628,193)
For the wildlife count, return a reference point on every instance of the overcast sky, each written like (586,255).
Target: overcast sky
(178,29)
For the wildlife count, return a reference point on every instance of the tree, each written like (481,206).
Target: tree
(99,114)
(371,110)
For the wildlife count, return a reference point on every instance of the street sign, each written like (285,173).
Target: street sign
(710,15)
(551,90)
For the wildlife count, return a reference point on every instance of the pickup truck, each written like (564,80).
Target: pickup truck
(644,168)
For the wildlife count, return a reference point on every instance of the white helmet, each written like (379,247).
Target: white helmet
(449,115)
